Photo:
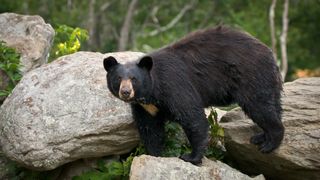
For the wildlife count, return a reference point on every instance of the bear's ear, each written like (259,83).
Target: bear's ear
(146,62)
(109,62)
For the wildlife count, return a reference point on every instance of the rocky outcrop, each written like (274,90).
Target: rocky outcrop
(299,155)
(148,167)
(63,111)
(29,35)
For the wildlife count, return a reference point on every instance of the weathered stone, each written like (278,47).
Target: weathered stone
(29,35)
(299,155)
(148,167)
(63,111)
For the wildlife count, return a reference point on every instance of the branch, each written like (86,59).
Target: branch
(153,14)
(272,29)
(283,40)
(124,33)
(104,7)
(173,22)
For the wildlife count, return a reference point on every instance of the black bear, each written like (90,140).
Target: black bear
(213,67)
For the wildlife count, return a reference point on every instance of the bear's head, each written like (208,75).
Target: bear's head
(131,81)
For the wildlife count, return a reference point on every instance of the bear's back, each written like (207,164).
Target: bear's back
(214,60)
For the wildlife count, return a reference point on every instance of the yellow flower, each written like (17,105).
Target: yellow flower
(78,32)
(75,46)
(77,43)
(62,45)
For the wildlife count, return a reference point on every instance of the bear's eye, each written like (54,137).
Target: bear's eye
(119,78)
(133,79)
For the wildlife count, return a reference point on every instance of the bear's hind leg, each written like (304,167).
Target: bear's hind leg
(151,130)
(267,115)
(258,139)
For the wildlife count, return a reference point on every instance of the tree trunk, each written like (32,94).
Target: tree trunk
(124,34)
(272,29)
(25,7)
(92,25)
(283,40)
(69,4)
(99,22)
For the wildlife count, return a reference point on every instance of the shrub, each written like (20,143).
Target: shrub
(67,40)
(9,63)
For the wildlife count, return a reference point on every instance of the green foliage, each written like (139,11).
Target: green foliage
(251,16)
(9,63)
(177,144)
(216,141)
(113,170)
(67,40)
(15,172)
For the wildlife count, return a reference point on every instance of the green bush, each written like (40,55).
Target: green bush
(9,63)
(177,144)
(113,170)
(216,142)
(67,41)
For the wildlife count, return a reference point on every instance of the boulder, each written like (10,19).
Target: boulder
(148,167)
(299,155)
(29,35)
(63,111)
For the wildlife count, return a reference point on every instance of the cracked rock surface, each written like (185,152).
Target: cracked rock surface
(298,157)
(156,168)
(63,111)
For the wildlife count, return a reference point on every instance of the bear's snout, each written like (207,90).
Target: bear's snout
(126,91)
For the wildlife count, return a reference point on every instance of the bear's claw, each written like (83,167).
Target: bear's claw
(191,159)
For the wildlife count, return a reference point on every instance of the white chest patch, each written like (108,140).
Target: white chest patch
(150,108)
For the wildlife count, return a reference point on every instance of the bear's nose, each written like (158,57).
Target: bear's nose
(125,93)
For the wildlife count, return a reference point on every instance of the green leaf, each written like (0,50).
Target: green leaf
(115,169)
(4,93)
(102,166)
(220,132)
(127,165)
(92,175)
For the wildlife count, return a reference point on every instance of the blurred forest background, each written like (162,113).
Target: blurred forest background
(145,25)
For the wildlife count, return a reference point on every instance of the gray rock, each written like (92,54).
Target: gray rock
(30,35)
(299,155)
(63,111)
(148,167)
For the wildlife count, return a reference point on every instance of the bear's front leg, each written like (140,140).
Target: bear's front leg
(151,129)
(196,128)
(185,107)
(192,118)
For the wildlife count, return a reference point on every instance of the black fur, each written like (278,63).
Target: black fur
(211,67)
